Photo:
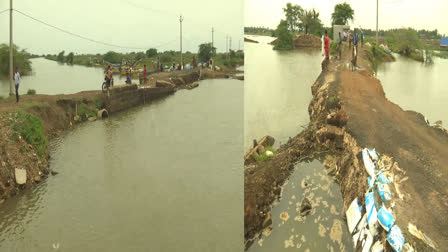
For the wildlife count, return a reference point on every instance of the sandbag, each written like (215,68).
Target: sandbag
(395,238)
(385,219)
(384,192)
(368,163)
(383,179)
(353,214)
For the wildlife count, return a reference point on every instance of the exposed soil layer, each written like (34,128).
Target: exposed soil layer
(250,40)
(349,111)
(304,41)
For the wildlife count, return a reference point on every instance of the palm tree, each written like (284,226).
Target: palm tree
(309,18)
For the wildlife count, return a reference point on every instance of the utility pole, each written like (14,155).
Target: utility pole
(230,44)
(180,20)
(227,46)
(377,22)
(212,37)
(213,62)
(11,49)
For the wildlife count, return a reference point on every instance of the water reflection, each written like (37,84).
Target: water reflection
(323,229)
(277,90)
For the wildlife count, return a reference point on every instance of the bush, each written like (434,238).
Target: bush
(32,130)
(31,92)
(84,109)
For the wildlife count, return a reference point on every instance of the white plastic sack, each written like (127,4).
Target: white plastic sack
(368,163)
(395,238)
(353,214)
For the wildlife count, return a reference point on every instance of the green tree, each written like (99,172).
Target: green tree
(292,15)
(112,57)
(311,22)
(21,59)
(152,52)
(140,55)
(61,57)
(69,58)
(403,41)
(342,14)
(284,37)
(206,52)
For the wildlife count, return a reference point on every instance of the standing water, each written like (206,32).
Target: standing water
(277,90)
(416,86)
(161,177)
(51,77)
(323,229)
(276,96)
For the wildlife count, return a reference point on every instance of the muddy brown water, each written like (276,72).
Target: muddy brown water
(416,86)
(165,176)
(277,90)
(323,229)
(276,97)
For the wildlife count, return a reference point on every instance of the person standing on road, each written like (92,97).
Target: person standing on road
(355,49)
(340,46)
(17,83)
(362,38)
(327,50)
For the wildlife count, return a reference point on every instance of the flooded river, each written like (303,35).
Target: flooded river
(276,97)
(416,86)
(165,176)
(277,90)
(51,77)
(277,94)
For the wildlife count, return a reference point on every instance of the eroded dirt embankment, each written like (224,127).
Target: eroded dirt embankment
(57,113)
(349,111)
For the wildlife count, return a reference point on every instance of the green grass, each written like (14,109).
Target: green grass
(263,157)
(98,103)
(84,109)
(31,92)
(1,98)
(36,106)
(31,129)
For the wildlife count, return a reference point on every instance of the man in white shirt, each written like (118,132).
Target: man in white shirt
(17,83)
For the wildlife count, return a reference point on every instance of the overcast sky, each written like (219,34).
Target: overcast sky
(128,23)
(431,14)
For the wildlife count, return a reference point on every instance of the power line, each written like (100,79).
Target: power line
(89,39)
(4,11)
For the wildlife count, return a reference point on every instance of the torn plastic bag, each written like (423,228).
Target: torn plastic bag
(395,238)
(373,154)
(383,179)
(384,192)
(353,214)
(368,163)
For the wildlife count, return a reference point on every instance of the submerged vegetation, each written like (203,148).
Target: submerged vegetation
(21,59)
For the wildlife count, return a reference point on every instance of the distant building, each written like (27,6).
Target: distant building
(444,42)
(339,29)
